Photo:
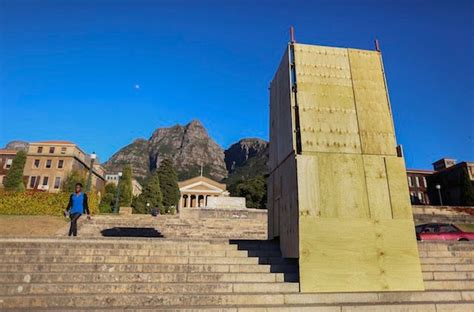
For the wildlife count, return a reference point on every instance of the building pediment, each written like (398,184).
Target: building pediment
(200,183)
(201,186)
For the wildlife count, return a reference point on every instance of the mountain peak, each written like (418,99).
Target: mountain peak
(188,146)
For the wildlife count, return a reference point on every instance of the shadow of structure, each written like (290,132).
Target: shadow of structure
(268,252)
(131,232)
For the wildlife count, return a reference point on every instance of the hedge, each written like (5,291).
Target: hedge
(39,203)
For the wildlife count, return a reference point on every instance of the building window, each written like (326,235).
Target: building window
(410,183)
(48,163)
(425,184)
(45,181)
(32,182)
(420,197)
(8,164)
(63,150)
(36,163)
(51,150)
(417,181)
(412,197)
(57,182)
(60,164)
(40,149)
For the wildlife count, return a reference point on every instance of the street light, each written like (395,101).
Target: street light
(89,178)
(438,187)
(117,194)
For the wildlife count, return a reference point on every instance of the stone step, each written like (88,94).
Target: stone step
(436,254)
(128,259)
(156,243)
(450,284)
(241,299)
(448,276)
(143,268)
(155,288)
(447,267)
(446,260)
(446,246)
(412,307)
(168,251)
(93,277)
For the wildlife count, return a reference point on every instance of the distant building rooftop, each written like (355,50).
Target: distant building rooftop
(54,142)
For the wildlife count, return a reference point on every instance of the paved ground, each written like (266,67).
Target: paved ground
(30,226)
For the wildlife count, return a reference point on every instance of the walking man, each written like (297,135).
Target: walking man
(76,207)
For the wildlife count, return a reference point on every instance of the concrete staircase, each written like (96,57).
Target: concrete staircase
(102,274)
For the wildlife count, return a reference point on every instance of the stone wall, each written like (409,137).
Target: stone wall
(448,214)
(226,202)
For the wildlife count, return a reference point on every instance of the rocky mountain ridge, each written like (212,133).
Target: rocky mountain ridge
(189,146)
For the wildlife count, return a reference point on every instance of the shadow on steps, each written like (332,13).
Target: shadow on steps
(268,252)
(131,232)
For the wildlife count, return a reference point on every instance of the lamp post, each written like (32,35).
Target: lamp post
(438,187)
(89,178)
(117,194)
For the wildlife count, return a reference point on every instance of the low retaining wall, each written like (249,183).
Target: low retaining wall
(226,202)
(225,223)
(448,214)
(206,213)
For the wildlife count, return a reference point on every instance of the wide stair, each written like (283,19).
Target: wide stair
(169,227)
(215,275)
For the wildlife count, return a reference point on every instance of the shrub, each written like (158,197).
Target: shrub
(151,193)
(168,183)
(14,177)
(39,203)
(108,199)
(125,186)
(75,176)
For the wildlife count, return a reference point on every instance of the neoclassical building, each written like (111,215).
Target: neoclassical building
(195,192)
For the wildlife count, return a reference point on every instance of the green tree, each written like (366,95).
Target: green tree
(14,177)
(125,186)
(467,190)
(75,176)
(108,199)
(168,183)
(151,193)
(254,190)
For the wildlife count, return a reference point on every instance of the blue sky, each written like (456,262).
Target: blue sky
(69,69)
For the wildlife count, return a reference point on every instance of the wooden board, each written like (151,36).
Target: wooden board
(281,114)
(371,101)
(377,187)
(326,100)
(358,255)
(398,186)
(342,181)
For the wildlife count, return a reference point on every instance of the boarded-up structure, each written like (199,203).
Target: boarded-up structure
(338,195)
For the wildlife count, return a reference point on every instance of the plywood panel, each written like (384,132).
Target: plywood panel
(377,187)
(281,120)
(325,98)
(288,206)
(397,183)
(358,255)
(271,208)
(342,181)
(371,102)
(308,186)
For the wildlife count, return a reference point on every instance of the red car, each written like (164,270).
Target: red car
(442,231)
